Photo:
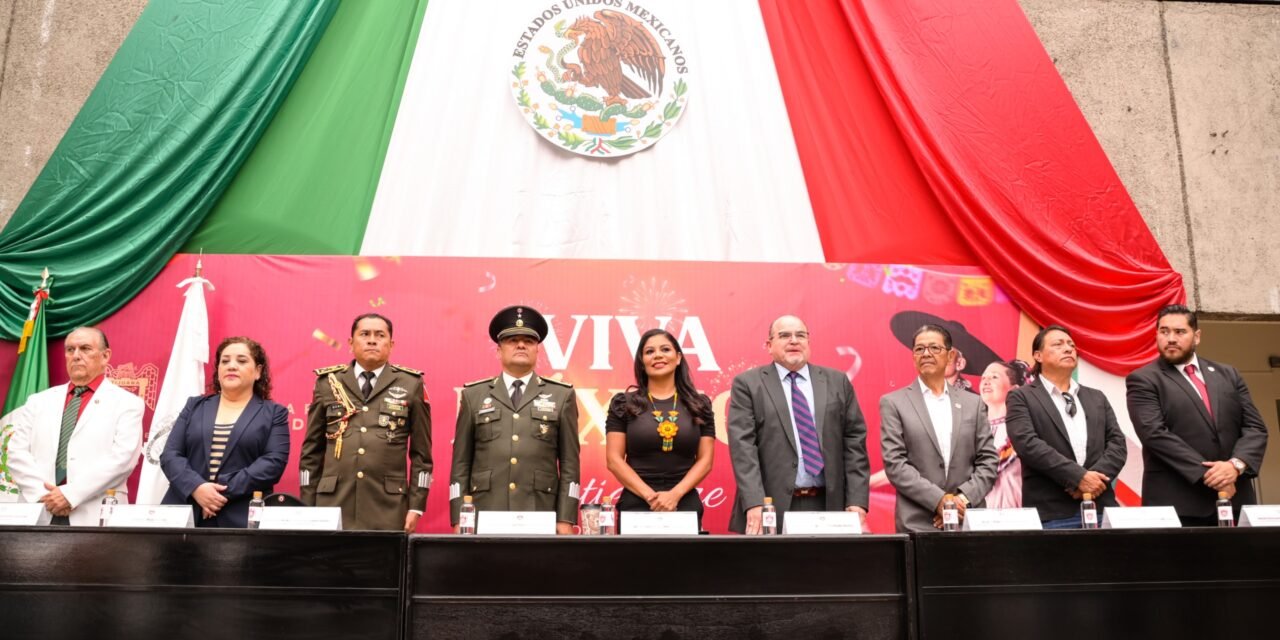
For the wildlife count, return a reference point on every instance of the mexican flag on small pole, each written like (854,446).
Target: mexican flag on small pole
(30,375)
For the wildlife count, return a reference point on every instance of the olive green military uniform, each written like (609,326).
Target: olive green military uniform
(367,476)
(517,458)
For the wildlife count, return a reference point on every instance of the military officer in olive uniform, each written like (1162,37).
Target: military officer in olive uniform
(516,443)
(363,420)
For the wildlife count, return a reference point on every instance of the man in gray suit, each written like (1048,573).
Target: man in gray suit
(796,435)
(935,439)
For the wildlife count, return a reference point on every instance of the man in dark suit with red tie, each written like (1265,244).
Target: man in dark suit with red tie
(1200,432)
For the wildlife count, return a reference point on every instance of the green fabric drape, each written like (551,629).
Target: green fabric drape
(308,186)
(171,120)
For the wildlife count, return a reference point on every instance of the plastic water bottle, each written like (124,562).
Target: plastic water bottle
(467,517)
(256,505)
(1225,516)
(950,516)
(768,518)
(1088,512)
(109,503)
(608,517)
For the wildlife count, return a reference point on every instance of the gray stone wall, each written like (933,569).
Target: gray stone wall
(52,53)
(1184,97)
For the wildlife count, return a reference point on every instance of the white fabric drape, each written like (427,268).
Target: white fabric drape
(725,184)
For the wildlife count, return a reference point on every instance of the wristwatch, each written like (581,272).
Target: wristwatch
(1238,464)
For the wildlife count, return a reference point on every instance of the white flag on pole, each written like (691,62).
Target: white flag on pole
(182,379)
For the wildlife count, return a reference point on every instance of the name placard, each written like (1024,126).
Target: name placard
(1260,515)
(1024,519)
(516,523)
(152,516)
(1140,518)
(819,523)
(24,514)
(301,518)
(667,523)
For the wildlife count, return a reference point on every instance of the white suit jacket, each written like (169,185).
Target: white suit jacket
(101,454)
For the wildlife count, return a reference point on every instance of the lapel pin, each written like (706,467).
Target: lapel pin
(957,405)
(1211,369)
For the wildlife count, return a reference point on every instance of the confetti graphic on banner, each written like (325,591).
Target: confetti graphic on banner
(324,337)
(493,283)
(939,288)
(855,364)
(975,292)
(365,270)
(377,302)
(903,281)
(867,275)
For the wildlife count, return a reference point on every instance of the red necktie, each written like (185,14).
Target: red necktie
(1199,385)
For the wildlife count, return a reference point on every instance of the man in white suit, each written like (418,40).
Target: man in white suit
(72,442)
(935,439)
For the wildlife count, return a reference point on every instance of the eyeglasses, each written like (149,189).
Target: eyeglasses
(786,336)
(935,349)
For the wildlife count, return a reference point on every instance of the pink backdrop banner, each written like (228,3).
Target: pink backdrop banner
(300,308)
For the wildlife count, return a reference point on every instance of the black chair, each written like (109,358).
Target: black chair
(283,500)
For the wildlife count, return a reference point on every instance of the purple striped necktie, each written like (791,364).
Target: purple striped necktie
(810,448)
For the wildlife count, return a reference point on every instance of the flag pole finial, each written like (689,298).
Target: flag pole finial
(44,278)
(200,263)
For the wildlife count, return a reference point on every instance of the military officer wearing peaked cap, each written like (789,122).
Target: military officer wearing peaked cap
(364,418)
(516,443)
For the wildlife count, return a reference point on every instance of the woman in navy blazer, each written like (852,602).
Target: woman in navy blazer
(226,445)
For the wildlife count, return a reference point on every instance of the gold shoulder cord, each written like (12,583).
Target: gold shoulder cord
(341,394)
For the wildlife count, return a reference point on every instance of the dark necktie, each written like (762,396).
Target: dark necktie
(516,393)
(366,387)
(1200,388)
(1071,404)
(810,448)
(70,416)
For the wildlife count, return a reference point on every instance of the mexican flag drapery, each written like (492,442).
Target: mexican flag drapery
(914,132)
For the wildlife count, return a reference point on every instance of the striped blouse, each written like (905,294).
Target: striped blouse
(221,433)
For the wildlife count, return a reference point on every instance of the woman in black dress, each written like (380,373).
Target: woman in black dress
(661,432)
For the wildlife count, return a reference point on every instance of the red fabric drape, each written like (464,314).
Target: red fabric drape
(1001,145)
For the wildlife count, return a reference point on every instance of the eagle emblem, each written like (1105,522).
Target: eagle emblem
(600,82)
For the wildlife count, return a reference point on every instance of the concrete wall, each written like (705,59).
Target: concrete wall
(1184,97)
(52,53)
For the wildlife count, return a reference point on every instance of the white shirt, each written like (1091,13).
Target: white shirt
(360,371)
(1077,429)
(510,382)
(939,408)
(805,384)
(1186,374)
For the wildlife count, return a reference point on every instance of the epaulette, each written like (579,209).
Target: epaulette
(400,367)
(567,385)
(337,368)
(481,381)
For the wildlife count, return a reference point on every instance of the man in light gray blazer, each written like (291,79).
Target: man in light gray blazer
(796,435)
(935,439)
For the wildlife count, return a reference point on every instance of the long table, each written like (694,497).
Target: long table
(59,582)
(709,588)
(72,582)
(1128,585)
